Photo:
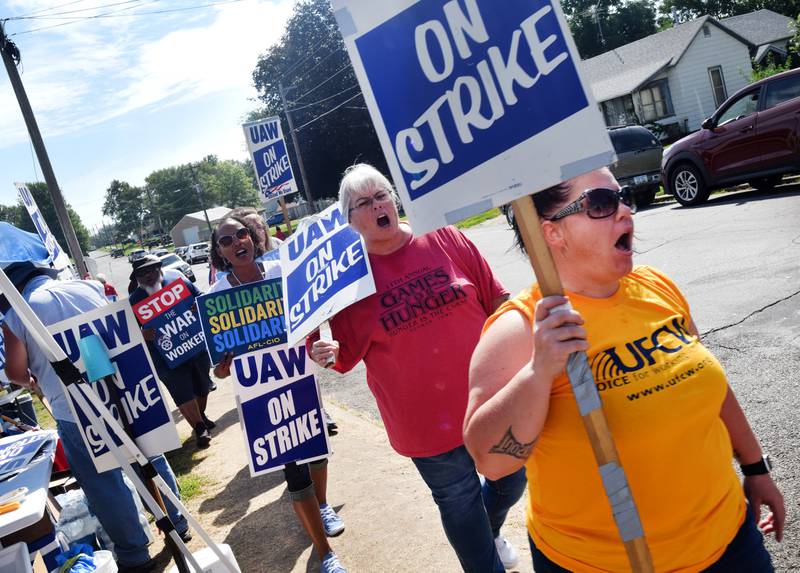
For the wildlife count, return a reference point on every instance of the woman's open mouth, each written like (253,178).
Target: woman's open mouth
(625,242)
(383,221)
(241,253)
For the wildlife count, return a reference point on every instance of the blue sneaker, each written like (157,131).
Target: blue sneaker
(331,521)
(330,563)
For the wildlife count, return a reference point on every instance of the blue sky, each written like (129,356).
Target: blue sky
(119,97)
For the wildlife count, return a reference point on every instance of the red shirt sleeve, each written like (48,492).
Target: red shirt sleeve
(475,267)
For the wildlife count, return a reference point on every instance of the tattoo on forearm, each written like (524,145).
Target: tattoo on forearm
(510,446)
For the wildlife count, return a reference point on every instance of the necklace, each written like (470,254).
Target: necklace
(240,281)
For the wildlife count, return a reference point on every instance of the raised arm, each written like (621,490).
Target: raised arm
(510,384)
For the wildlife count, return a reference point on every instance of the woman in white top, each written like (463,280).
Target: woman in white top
(235,249)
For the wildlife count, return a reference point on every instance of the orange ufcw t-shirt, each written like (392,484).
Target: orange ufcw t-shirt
(662,392)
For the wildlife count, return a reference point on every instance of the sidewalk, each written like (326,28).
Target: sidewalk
(392,524)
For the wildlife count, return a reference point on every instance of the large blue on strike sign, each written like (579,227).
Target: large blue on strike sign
(482,103)
(467,85)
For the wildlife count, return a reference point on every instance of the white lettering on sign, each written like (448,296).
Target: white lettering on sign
(295,431)
(162,300)
(322,272)
(463,102)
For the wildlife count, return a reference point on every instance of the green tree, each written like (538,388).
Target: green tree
(125,205)
(230,184)
(12,214)
(311,62)
(598,26)
(42,197)
(688,9)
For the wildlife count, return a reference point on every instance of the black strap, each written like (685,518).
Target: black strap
(165,525)
(149,470)
(67,371)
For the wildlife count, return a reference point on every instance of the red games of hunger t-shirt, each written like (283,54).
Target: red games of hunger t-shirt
(416,335)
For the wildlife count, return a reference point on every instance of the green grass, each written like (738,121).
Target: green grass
(477,219)
(190,484)
(46,421)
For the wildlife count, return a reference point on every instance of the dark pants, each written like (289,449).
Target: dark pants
(472,513)
(745,554)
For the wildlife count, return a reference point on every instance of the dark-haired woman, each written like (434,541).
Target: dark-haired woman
(234,249)
(675,420)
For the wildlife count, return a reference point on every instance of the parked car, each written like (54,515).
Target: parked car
(754,137)
(116,253)
(638,163)
(159,252)
(173,261)
(136,255)
(197,253)
(181,251)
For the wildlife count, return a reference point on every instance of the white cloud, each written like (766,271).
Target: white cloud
(88,73)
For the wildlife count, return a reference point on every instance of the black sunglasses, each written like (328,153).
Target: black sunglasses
(227,240)
(598,203)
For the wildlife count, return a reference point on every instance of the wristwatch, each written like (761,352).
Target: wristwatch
(761,467)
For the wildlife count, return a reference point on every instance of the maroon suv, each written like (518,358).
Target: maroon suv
(753,137)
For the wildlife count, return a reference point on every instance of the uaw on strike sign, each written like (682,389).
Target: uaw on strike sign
(169,312)
(483,102)
(141,399)
(325,269)
(270,158)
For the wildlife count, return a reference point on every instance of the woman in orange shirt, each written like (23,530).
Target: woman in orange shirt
(675,420)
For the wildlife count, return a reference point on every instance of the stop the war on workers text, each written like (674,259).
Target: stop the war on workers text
(170,313)
(243,319)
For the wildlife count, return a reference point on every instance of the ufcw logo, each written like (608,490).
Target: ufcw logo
(613,362)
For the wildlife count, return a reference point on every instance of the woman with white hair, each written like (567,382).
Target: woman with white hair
(416,335)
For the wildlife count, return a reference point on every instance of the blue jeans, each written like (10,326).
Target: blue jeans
(471,513)
(746,553)
(111,501)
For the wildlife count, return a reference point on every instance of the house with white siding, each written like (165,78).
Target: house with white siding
(678,77)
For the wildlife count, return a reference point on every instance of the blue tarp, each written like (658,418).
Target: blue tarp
(17,245)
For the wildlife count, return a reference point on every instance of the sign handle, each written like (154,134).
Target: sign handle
(595,422)
(285,211)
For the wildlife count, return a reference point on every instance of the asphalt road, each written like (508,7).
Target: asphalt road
(736,259)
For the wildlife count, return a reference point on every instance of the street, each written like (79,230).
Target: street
(736,260)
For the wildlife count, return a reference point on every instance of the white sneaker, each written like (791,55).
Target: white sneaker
(508,556)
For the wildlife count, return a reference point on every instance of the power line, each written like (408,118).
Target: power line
(53,15)
(322,83)
(318,64)
(348,100)
(65,4)
(323,99)
(304,60)
(117,14)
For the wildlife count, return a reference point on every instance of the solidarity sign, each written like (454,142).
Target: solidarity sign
(270,158)
(279,407)
(326,269)
(480,105)
(243,319)
(135,383)
(169,312)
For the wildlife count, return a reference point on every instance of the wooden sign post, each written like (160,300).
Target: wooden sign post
(615,482)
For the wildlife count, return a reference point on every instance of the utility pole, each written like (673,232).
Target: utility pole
(11,58)
(306,188)
(199,192)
